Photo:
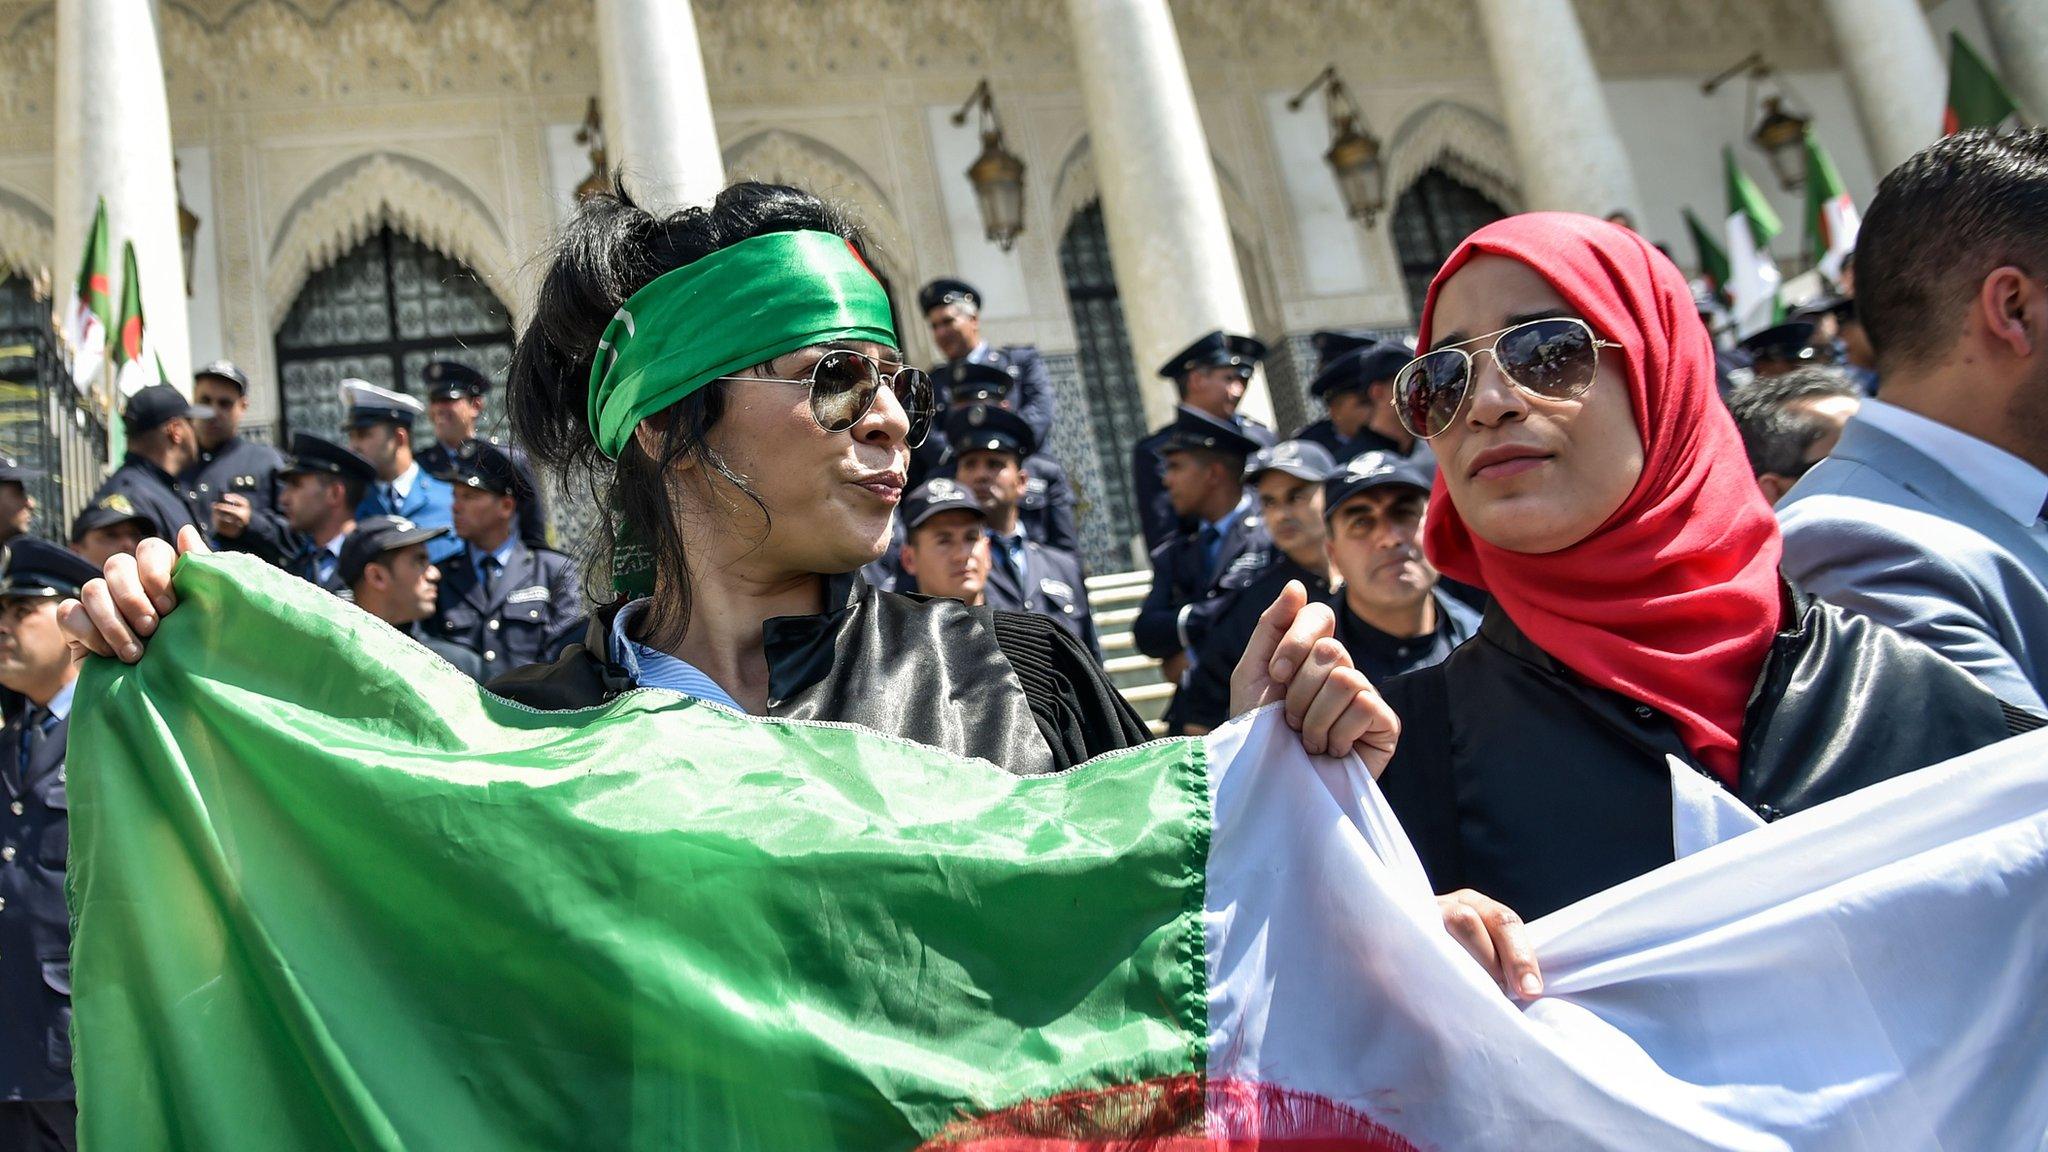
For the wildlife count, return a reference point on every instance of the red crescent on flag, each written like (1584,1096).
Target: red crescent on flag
(98,282)
(131,338)
(1178,1114)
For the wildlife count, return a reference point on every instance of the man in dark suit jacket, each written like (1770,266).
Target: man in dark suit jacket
(37,1108)
(991,445)
(1210,376)
(510,604)
(1205,462)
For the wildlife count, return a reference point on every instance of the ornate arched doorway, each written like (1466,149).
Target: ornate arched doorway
(1430,219)
(1116,407)
(380,313)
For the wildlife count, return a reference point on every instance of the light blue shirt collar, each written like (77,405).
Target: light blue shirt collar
(60,704)
(502,554)
(1222,523)
(653,668)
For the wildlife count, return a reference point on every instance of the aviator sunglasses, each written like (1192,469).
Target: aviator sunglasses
(1555,359)
(843,387)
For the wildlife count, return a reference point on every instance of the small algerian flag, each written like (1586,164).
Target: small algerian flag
(350,900)
(1831,217)
(1976,96)
(1712,258)
(92,306)
(136,364)
(1753,279)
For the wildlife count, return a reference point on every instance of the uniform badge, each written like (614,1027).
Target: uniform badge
(119,502)
(528,594)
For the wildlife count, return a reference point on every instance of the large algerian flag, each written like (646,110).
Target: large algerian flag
(1752,284)
(349,901)
(1712,259)
(92,306)
(1977,98)
(136,364)
(1831,217)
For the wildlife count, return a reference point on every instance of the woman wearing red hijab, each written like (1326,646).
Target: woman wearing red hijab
(1592,482)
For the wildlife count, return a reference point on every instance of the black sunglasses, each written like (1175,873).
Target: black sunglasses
(1555,359)
(844,384)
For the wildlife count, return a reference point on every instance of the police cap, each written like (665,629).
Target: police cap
(969,383)
(1332,343)
(312,454)
(488,469)
(1361,368)
(158,405)
(32,566)
(109,510)
(454,380)
(376,536)
(224,370)
(1790,341)
(990,428)
(937,495)
(368,404)
(1370,470)
(1301,459)
(946,290)
(12,471)
(1193,431)
(1215,350)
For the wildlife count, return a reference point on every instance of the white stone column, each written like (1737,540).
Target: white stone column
(1570,156)
(2019,41)
(1895,71)
(1175,268)
(657,109)
(114,140)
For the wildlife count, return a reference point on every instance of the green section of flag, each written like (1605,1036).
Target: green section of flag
(1746,198)
(1976,96)
(349,900)
(1712,259)
(94,293)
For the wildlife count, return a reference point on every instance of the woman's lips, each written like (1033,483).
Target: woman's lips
(886,488)
(1507,468)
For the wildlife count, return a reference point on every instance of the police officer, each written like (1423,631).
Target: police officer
(17,503)
(162,443)
(511,604)
(455,403)
(37,1109)
(324,484)
(1357,389)
(1287,481)
(945,541)
(953,310)
(380,424)
(991,445)
(1047,509)
(384,566)
(1204,463)
(110,527)
(1210,375)
(233,484)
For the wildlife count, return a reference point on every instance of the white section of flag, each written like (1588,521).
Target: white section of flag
(87,338)
(1753,277)
(1841,220)
(1867,975)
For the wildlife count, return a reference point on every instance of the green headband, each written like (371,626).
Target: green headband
(740,306)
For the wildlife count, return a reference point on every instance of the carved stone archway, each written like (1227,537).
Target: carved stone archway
(779,156)
(26,235)
(1467,144)
(358,198)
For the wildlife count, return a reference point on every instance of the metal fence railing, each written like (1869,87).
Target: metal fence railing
(48,424)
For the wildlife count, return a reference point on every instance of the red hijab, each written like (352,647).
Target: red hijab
(1674,600)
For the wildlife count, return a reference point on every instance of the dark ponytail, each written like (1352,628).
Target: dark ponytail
(609,250)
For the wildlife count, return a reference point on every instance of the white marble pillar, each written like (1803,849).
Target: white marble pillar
(1895,71)
(1571,158)
(114,140)
(2019,42)
(657,110)
(1175,268)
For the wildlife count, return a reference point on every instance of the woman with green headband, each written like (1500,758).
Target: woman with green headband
(728,381)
